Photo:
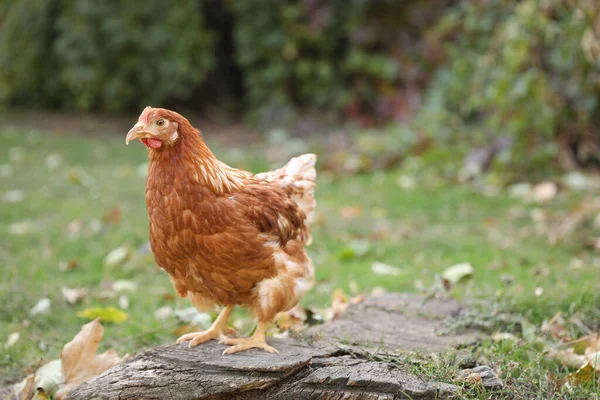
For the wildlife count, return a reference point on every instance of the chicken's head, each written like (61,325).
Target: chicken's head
(156,128)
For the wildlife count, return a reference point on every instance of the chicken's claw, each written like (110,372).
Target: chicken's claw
(197,338)
(242,344)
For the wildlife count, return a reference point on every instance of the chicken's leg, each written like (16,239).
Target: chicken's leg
(215,331)
(257,340)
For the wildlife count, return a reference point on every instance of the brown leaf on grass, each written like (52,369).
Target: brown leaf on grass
(112,216)
(553,384)
(28,390)
(556,328)
(351,212)
(339,303)
(293,319)
(68,265)
(80,361)
(582,376)
(584,351)
(168,296)
(472,379)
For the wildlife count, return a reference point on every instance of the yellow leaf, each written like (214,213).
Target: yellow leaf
(582,376)
(106,314)
(80,361)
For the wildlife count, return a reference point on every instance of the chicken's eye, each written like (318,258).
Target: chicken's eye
(160,122)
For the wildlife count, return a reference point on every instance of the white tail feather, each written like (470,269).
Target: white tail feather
(298,177)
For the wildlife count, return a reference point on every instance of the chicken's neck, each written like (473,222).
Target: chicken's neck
(191,160)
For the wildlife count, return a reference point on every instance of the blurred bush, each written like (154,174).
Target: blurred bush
(451,71)
(526,69)
(364,58)
(101,55)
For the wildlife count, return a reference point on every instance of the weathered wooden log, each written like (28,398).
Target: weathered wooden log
(397,321)
(302,370)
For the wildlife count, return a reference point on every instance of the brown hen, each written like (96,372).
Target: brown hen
(225,236)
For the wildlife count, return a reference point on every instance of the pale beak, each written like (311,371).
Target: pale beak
(137,132)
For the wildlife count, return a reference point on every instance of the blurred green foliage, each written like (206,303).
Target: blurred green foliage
(115,53)
(526,69)
(460,71)
(101,55)
(115,56)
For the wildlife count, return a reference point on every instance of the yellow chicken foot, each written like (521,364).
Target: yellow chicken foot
(257,340)
(215,331)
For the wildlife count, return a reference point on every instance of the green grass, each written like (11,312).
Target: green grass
(422,231)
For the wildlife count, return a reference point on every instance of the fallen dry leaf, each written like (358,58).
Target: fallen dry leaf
(28,390)
(73,296)
(80,361)
(41,307)
(12,339)
(293,319)
(168,296)
(556,328)
(568,358)
(583,351)
(123,285)
(116,257)
(457,273)
(68,265)
(339,303)
(350,212)
(112,216)
(553,384)
(163,312)
(504,336)
(582,376)
(472,379)
(543,192)
(380,268)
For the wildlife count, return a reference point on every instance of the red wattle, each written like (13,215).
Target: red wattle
(154,143)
